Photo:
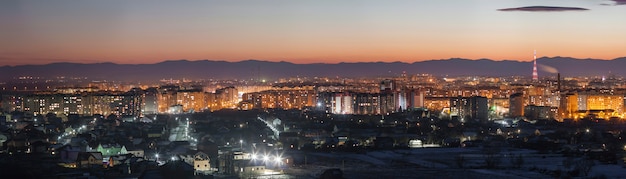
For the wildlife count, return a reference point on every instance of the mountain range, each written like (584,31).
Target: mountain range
(251,69)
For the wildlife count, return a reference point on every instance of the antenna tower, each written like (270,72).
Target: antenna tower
(535,76)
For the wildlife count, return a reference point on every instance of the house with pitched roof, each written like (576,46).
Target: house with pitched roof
(201,163)
(89,160)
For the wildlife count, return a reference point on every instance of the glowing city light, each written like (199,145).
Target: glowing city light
(277,159)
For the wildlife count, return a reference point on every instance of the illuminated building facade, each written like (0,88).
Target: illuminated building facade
(167,97)
(592,104)
(284,99)
(191,100)
(125,104)
(227,97)
(540,112)
(325,101)
(602,102)
(544,100)
(516,105)
(42,104)
(150,101)
(117,103)
(342,104)
(411,98)
(195,99)
(465,108)
(366,103)
(436,103)
(348,103)
(388,97)
(499,107)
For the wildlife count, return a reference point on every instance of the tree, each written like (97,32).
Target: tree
(568,163)
(517,161)
(493,160)
(584,166)
(460,161)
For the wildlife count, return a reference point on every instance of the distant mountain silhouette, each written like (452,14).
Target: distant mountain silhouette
(250,69)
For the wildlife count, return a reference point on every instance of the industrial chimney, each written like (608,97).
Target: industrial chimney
(558,82)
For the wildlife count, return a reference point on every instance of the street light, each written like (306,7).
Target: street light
(277,159)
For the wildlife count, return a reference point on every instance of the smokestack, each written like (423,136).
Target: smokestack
(558,81)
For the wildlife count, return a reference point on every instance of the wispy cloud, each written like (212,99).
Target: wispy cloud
(618,2)
(545,8)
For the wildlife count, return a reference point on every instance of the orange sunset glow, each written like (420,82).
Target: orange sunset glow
(131,32)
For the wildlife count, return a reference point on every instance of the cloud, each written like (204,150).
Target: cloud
(545,8)
(619,2)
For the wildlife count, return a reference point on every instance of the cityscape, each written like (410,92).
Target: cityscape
(518,126)
(89,90)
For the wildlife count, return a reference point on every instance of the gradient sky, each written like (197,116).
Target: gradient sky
(139,31)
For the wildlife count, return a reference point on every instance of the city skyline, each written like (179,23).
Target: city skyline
(135,32)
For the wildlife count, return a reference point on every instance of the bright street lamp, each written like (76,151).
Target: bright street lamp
(277,159)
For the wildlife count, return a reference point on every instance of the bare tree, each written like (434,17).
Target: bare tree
(493,160)
(460,161)
(568,163)
(517,161)
(584,166)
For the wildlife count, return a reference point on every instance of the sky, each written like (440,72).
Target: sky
(327,31)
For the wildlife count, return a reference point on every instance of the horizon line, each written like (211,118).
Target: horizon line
(285,61)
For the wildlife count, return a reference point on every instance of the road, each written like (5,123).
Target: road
(182,132)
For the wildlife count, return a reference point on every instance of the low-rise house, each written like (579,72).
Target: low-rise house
(137,152)
(89,159)
(68,153)
(202,163)
(111,150)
